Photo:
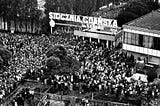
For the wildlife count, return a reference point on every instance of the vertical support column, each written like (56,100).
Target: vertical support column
(6,25)
(2,23)
(98,43)
(98,40)
(68,29)
(51,30)
(92,96)
(107,43)
(62,28)
(113,44)
(76,36)
(90,39)
(83,37)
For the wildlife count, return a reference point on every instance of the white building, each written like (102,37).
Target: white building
(141,37)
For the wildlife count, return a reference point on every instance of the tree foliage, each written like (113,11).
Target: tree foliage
(26,10)
(58,51)
(1,61)
(5,56)
(53,62)
(135,9)
(59,62)
(19,10)
(79,7)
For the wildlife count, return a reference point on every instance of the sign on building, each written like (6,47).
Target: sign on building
(85,21)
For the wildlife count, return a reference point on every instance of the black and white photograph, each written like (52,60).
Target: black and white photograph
(79,52)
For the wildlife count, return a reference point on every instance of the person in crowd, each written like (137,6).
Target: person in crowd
(102,69)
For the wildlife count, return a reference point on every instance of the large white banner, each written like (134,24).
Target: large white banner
(90,22)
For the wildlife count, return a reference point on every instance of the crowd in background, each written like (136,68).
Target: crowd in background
(102,69)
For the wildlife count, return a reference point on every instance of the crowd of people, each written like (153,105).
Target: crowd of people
(28,56)
(102,69)
(24,98)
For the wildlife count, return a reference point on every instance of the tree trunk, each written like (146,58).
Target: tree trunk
(4,23)
(26,26)
(20,26)
(32,25)
(9,25)
(15,24)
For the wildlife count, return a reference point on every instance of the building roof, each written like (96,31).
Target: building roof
(149,21)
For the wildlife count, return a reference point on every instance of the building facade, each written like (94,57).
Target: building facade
(141,37)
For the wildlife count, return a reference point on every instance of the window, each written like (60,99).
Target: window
(140,40)
(150,43)
(125,37)
(133,39)
(136,39)
(156,43)
(129,38)
(146,41)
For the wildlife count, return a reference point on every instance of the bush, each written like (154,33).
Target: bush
(53,62)
(1,61)
(5,55)
(59,62)
(135,9)
(58,51)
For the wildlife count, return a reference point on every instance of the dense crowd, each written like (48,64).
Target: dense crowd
(28,56)
(102,69)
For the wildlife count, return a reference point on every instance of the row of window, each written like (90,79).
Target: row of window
(142,40)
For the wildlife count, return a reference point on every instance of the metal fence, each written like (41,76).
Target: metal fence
(106,103)
(73,101)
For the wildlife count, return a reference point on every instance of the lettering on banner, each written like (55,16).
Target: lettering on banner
(86,21)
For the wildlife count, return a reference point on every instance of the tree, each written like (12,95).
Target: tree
(57,56)
(1,62)
(53,62)
(5,55)
(84,7)
(4,10)
(20,12)
(125,17)
(58,51)
(51,6)
(79,7)
(135,9)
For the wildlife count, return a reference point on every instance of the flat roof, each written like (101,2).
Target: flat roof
(150,21)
